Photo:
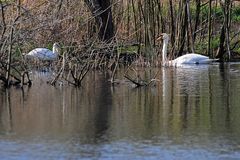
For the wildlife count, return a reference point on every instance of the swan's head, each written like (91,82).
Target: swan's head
(164,37)
(56,45)
(56,48)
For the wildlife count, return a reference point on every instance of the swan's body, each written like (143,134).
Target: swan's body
(191,58)
(44,53)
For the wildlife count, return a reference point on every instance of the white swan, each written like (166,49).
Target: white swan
(191,58)
(44,53)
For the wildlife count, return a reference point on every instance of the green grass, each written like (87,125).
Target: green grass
(127,49)
(236,14)
(237,50)
(201,47)
(218,13)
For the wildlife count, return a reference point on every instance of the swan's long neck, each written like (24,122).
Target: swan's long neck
(164,52)
(56,50)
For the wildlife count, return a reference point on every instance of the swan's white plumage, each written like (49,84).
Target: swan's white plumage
(44,53)
(191,58)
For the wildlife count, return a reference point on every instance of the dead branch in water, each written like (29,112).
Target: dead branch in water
(140,82)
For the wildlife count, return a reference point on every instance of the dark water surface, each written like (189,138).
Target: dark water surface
(191,113)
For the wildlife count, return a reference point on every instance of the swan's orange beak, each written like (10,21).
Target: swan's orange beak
(160,37)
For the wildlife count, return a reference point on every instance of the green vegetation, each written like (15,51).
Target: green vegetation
(127,49)
(218,13)
(236,14)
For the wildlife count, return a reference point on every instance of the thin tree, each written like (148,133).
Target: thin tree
(225,30)
(209,27)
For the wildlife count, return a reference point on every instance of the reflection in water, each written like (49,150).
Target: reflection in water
(193,113)
(103,105)
(183,89)
(6,116)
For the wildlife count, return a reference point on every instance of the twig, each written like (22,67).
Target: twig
(135,82)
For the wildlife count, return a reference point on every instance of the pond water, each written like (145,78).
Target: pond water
(190,113)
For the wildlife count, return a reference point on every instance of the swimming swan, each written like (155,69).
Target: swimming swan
(44,53)
(191,58)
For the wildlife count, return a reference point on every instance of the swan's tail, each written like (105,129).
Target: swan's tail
(214,60)
(207,61)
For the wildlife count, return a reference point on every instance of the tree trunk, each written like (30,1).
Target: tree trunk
(224,37)
(220,51)
(197,18)
(228,14)
(210,28)
(183,21)
(190,30)
(101,10)
(172,22)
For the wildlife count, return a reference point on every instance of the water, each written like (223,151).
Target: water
(190,113)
